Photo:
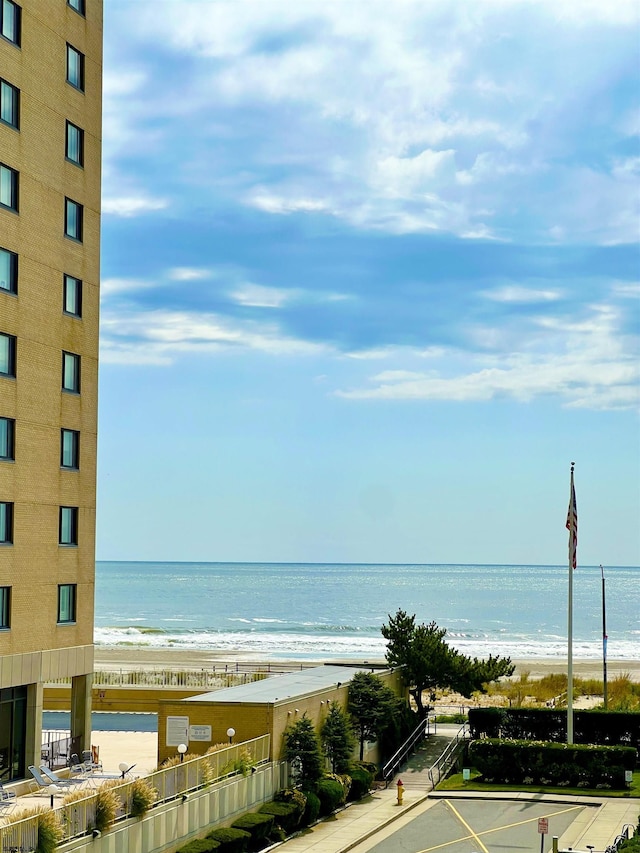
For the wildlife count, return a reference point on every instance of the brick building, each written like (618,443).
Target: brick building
(50,163)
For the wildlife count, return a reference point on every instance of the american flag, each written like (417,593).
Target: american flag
(572,526)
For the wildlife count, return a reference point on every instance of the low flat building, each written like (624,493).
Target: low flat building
(261,707)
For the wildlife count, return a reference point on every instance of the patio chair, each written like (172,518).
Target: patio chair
(8,799)
(89,762)
(53,778)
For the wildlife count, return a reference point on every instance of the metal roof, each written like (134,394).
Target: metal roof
(279,688)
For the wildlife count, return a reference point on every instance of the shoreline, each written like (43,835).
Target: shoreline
(140,658)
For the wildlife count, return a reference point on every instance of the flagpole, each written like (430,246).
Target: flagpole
(571,524)
(604,641)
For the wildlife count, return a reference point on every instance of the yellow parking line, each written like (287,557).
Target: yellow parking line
(467,827)
(475,837)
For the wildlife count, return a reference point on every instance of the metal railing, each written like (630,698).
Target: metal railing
(446,761)
(208,679)
(78,817)
(416,737)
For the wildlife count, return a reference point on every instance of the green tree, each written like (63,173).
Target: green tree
(428,662)
(372,705)
(301,743)
(338,738)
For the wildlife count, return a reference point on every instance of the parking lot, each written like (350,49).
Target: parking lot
(476,826)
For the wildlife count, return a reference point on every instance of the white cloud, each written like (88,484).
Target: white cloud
(159,337)
(257,296)
(188,273)
(516,293)
(109,286)
(128,206)
(588,364)
(407,117)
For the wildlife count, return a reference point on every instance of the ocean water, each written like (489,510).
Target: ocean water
(312,611)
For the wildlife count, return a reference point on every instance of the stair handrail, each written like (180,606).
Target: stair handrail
(418,734)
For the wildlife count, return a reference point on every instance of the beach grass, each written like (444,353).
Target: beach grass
(455,782)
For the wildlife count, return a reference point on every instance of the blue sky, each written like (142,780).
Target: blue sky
(370,281)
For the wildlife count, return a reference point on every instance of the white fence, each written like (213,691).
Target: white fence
(78,818)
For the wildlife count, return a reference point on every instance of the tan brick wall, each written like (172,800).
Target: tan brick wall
(252,720)
(35,564)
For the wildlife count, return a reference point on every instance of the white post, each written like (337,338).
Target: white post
(572,521)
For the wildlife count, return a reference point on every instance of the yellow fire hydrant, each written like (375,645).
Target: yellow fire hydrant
(400,791)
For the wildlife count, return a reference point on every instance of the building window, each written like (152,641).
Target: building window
(72,296)
(73,219)
(75,68)
(5,607)
(74,144)
(70,449)
(8,187)
(7,439)
(8,271)
(7,355)
(6,523)
(66,603)
(71,372)
(9,104)
(68,534)
(10,21)
(78,5)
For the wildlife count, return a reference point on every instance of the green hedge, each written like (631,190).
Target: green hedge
(331,794)
(361,781)
(257,825)
(536,763)
(605,728)
(311,808)
(230,840)
(200,845)
(286,815)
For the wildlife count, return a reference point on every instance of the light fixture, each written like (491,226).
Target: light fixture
(230,733)
(123,767)
(53,790)
(182,748)
(95,833)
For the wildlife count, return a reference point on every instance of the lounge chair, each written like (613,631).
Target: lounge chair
(8,799)
(45,777)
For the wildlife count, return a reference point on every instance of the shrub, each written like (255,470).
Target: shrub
(311,808)
(301,743)
(230,840)
(143,796)
(257,825)
(200,845)
(107,804)
(242,764)
(50,831)
(510,762)
(286,815)
(291,795)
(331,795)
(361,781)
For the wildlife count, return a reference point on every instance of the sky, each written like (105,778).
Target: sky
(370,281)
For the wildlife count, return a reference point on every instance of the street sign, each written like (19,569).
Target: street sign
(543,825)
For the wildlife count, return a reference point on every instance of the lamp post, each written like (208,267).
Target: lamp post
(53,790)
(182,748)
(123,767)
(230,734)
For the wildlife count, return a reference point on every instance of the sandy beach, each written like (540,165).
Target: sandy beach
(139,658)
